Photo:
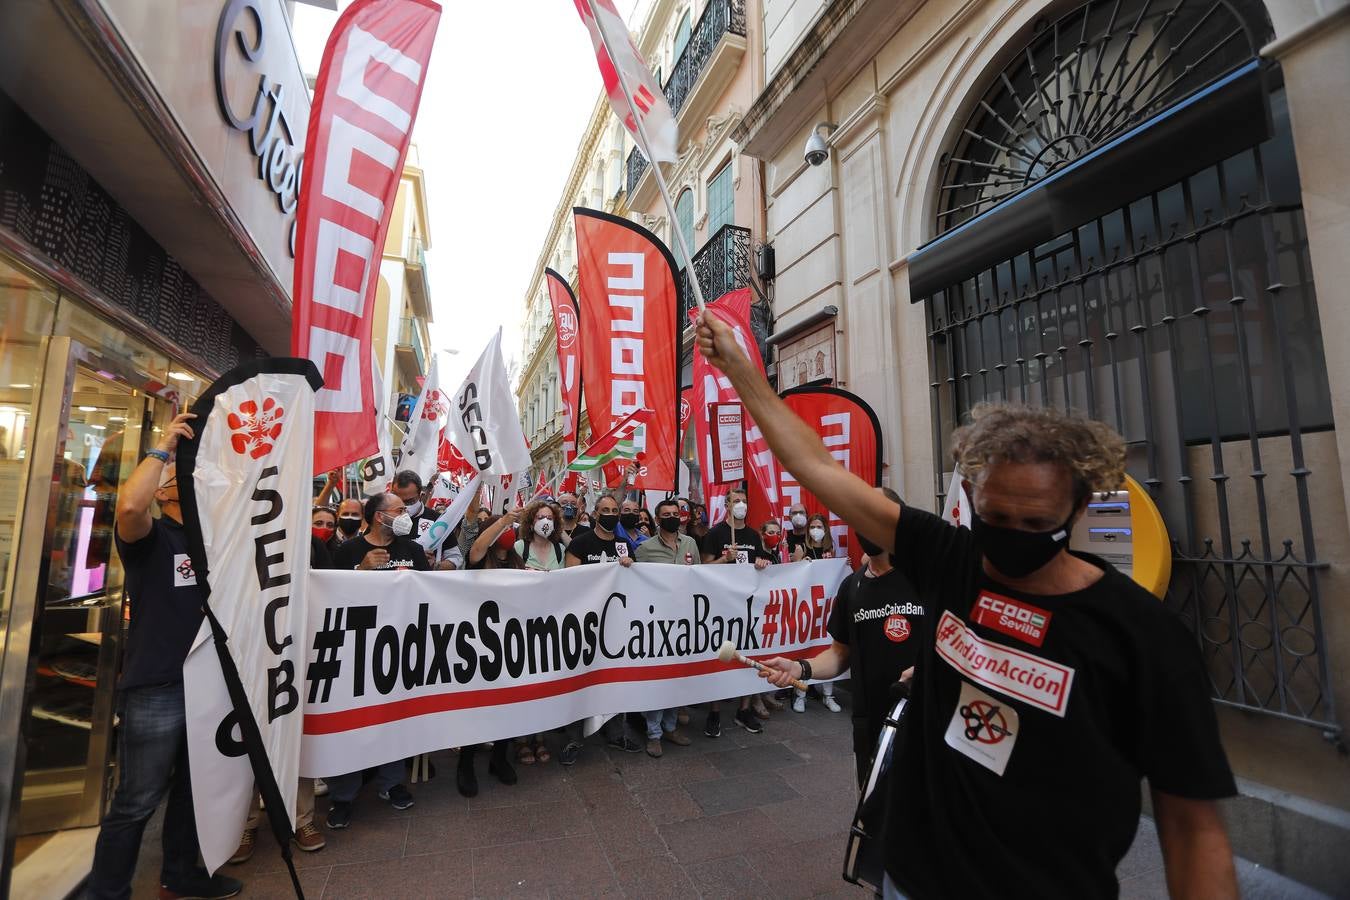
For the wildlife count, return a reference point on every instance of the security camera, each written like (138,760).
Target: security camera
(817,151)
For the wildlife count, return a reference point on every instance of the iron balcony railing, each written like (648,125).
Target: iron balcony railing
(409,335)
(722,264)
(720,17)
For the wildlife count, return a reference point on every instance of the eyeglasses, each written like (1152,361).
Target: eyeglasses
(675,517)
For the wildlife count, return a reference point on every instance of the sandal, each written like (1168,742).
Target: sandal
(541,753)
(524,755)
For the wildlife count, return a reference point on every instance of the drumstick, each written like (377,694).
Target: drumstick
(729,653)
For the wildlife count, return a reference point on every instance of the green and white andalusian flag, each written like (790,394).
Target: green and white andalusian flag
(617,443)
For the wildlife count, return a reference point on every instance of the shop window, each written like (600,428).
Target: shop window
(27,309)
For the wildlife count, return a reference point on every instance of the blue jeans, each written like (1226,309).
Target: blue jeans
(659,720)
(152,760)
(344,788)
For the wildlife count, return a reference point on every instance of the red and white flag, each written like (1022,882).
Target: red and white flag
(421,445)
(711,386)
(850,431)
(569,357)
(365,102)
(616,54)
(630,335)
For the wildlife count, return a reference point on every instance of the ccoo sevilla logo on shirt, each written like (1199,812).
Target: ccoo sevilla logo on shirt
(254,430)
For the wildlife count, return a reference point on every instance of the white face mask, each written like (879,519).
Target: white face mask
(543,527)
(739,509)
(817,534)
(401,525)
(799,520)
(415,508)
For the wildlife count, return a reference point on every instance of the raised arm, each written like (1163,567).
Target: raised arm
(489,536)
(329,486)
(795,444)
(133,500)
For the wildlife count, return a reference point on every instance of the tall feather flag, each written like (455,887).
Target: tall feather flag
(366,96)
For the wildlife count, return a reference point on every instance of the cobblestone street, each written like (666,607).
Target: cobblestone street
(742,816)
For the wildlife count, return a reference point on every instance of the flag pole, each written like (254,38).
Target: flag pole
(656,166)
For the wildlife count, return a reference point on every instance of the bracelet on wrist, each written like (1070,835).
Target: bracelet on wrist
(160,455)
(806,670)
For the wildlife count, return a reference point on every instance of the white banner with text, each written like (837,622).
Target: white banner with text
(429,660)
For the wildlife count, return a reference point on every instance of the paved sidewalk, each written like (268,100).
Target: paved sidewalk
(741,816)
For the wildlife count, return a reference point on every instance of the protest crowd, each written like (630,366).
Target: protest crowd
(1010,693)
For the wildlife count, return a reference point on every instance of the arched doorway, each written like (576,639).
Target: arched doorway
(1118,229)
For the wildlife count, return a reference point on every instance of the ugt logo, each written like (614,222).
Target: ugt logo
(255,429)
(567,327)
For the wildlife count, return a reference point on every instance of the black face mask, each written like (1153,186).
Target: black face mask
(349,524)
(629,520)
(669,524)
(1017,553)
(607,522)
(868,547)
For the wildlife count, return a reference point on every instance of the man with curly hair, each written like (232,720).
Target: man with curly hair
(1048,684)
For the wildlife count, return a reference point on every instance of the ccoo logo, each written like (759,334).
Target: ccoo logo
(255,430)
(567,327)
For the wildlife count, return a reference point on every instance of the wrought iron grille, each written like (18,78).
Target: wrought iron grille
(722,264)
(637,167)
(719,18)
(1188,320)
(1084,80)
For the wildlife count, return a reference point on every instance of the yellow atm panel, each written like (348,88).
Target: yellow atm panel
(1126,529)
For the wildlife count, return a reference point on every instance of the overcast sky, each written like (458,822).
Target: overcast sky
(508,94)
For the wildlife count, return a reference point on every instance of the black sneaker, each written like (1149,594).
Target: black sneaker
(398,797)
(627,743)
(747,720)
(339,815)
(200,886)
(569,753)
(713,726)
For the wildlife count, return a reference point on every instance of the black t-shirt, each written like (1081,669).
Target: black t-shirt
(877,617)
(589,547)
(422,521)
(319,555)
(404,553)
(746,543)
(1033,720)
(794,541)
(166,604)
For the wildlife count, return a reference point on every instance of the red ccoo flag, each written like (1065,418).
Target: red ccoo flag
(630,335)
(569,357)
(365,102)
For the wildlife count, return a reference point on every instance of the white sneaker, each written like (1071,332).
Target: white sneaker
(830,703)
(798,703)
(320,788)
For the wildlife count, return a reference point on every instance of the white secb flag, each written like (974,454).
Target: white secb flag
(484,422)
(249,497)
(424,426)
(632,88)
(434,537)
(377,471)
